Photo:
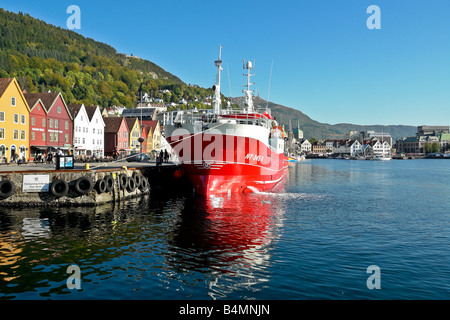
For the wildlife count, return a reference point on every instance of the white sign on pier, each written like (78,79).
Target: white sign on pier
(36,183)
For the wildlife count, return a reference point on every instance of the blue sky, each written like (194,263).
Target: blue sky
(326,62)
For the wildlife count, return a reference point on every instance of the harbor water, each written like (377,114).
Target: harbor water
(334,229)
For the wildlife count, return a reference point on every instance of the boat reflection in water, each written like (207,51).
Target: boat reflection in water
(230,237)
(156,247)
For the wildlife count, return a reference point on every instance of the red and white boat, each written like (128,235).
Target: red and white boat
(224,150)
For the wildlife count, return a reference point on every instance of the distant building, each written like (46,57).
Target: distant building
(305,146)
(432,130)
(425,135)
(348,147)
(371,135)
(380,148)
(145,113)
(319,147)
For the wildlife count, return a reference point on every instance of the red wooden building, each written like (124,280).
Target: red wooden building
(38,125)
(59,122)
(116,135)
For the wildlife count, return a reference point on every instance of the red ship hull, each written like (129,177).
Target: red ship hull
(220,163)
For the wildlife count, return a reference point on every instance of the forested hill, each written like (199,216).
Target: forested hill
(44,57)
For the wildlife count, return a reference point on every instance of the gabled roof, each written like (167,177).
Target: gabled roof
(48,99)
(112,124)
(74,109)
(130,122)
(151,124)
(4,84)
(33,100)
(90,110)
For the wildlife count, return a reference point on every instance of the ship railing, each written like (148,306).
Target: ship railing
(260,117)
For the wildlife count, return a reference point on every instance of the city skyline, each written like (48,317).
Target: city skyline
(327,63)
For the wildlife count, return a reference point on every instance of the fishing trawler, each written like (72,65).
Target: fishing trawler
(228,150)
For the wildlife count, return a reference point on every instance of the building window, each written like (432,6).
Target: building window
(66,125)
(43,136)
(33,121)
(2,133)
(56,123)
(50,136)
(66,137)
(59,110)
(13,102)
(43,122)
(22,134)
(50,123)
(16,118)
(56,136)
(22,119)
(16,134)
(33,135)
(2,117)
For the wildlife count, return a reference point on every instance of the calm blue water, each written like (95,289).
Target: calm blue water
(312,238)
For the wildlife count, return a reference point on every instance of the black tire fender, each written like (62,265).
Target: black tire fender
(109,182)
(144,184)
(131,184)
(59,188)
(123,181)
(137,178)
(7,189)
(83,185)
(101,185)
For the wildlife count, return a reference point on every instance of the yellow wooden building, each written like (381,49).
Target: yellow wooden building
(135,133)
(14,122)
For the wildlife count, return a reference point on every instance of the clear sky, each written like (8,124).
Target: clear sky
(326,62)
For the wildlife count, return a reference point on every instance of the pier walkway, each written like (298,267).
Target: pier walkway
(31,166)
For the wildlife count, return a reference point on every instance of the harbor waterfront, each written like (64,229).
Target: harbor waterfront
(43,185)
(330,230)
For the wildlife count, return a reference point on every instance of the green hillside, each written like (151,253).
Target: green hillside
(44,57)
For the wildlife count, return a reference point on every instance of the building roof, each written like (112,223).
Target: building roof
(130,122)
(90,110)
(47,98)
(147,113)
(74,109)
(112,124)
(33,100)
(4,83)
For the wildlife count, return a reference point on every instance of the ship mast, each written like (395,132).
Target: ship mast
(248,98)
(217,98)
